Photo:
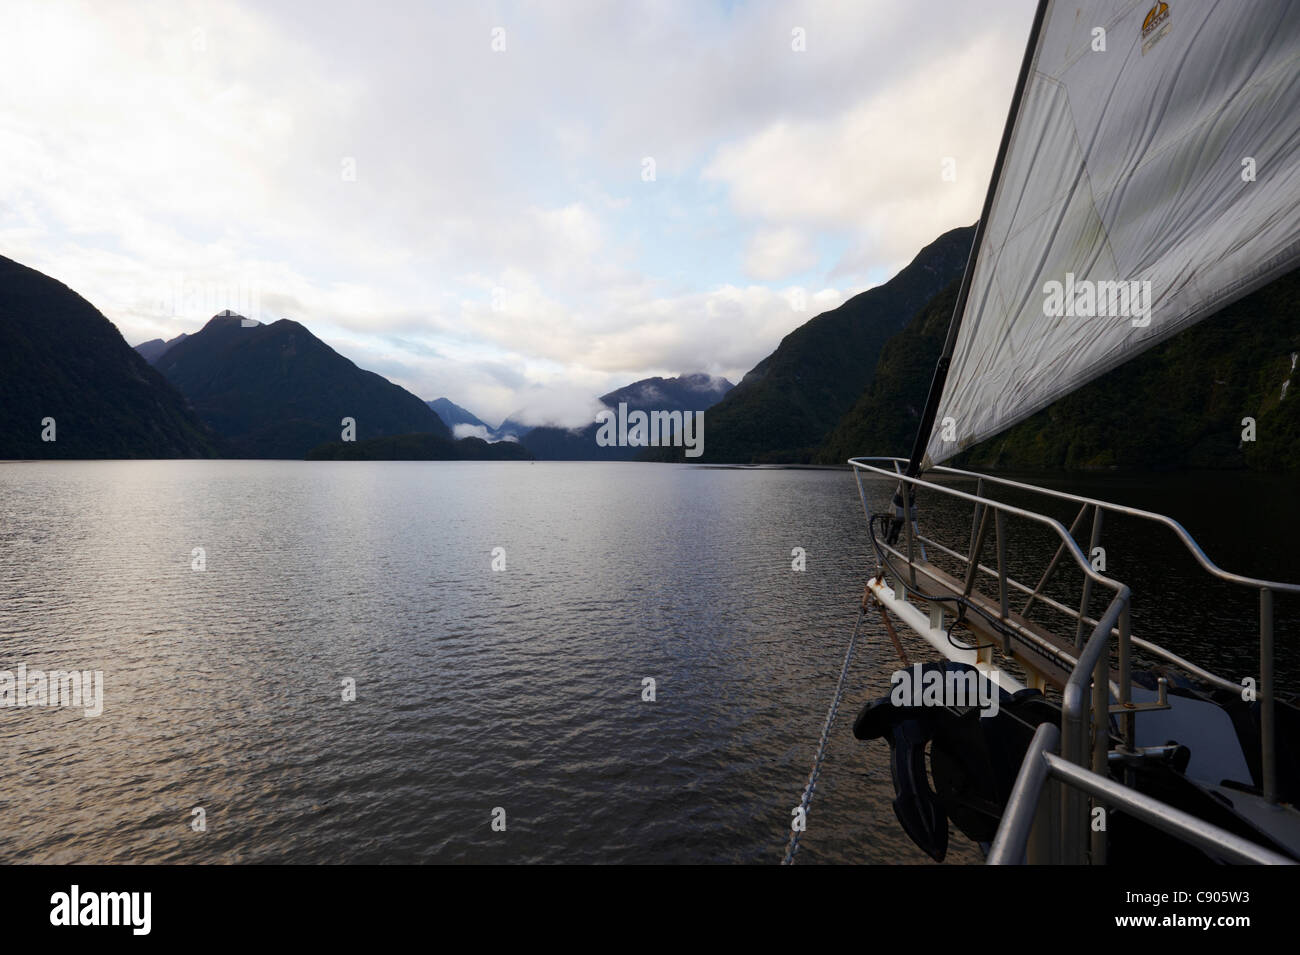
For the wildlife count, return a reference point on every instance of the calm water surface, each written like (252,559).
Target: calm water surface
(476,688)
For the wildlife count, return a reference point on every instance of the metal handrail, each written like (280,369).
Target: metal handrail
(1181,532)
(1092,666)
(1089,669)
(1041,764)
(1153,648)
(1266,588)
(1012,839)
(1026,634)
(1066,538)
(1091,659)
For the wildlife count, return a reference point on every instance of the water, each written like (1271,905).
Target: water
(476,689)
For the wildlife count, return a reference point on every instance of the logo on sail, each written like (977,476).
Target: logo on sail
(1155,26)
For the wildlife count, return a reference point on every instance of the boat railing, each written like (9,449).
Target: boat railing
(1080,737)
(1026,807)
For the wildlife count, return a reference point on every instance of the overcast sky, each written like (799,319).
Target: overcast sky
(626,189)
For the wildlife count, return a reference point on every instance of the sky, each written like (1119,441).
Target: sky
(518,206)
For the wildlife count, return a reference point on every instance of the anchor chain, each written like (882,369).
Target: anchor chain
(793,847)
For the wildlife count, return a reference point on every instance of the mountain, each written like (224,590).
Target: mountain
(883,421)
(513,428)
(60,358)
(453,414)
(784,408)
(694,392)
(1178,405)
(278,391)
(419,447)
(153,349)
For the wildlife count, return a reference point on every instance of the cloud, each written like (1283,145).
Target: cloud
(775,254)
(474,223)
(874,171)
(558,404)
(471,431)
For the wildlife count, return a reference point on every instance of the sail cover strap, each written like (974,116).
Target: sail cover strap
(1152,177)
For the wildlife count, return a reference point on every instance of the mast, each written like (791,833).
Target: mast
(954,324)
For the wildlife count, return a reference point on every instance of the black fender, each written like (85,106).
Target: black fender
(973,761)
(915,803)
(908,730)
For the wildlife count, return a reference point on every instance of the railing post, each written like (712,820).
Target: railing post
(1127,725)
(999,528)
(1267,742)
(1092,668)
(975,515)
(1087,581)
(1073,812)
(1044,837)
(1100,748)
(909,491)
(1051,566)
(977,547)
(1025,831)
(862,494)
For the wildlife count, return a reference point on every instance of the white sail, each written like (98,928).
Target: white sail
(1164,151)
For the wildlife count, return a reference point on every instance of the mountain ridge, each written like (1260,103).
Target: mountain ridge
(278,391)
(787,404)
(693,391)
(453,414)
(62,359)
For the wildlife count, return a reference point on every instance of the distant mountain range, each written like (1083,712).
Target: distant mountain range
(694,392)
(153,349)
(850,381)
(512,429)
(277,391)
(453,414)
(61,361)
(787,405)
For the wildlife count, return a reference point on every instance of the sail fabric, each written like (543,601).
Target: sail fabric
(1170,159)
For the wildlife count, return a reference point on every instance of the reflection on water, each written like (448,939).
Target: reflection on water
(476,689)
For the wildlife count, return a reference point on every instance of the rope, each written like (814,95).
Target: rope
(893,635)
(793,847)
